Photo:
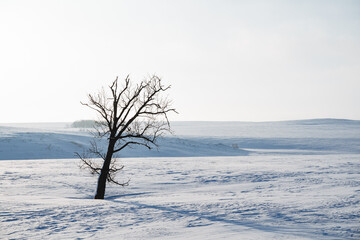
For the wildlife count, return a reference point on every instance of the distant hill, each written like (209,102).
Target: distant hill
(325,121)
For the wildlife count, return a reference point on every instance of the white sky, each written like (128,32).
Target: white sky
(226,60)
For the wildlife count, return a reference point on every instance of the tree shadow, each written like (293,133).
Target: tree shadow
(126,195)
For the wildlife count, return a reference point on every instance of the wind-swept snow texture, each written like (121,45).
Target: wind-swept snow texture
(280,180)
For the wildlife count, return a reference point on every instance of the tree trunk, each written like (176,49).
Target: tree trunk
(100,191)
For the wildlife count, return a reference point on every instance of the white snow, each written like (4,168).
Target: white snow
(294,180)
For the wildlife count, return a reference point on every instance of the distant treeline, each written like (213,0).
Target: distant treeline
(83,124)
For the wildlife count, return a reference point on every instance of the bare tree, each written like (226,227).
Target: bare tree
(128,115)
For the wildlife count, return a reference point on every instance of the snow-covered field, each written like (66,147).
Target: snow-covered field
(276,180)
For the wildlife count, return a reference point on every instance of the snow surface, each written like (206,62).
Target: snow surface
(212,180)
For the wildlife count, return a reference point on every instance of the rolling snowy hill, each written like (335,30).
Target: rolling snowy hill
(49,141)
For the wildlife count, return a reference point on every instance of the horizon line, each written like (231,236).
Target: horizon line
(289,120)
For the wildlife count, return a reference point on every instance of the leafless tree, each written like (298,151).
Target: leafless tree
(128,115)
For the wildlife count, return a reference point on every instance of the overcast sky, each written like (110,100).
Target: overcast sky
(226,60)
